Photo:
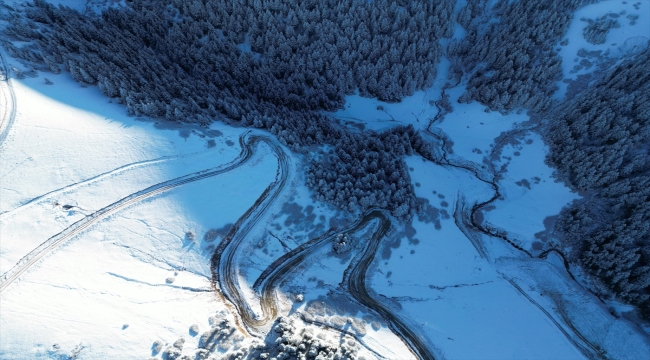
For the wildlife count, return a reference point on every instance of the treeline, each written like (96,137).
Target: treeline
(272,64)
(184,59)
(509,51)
(600,143)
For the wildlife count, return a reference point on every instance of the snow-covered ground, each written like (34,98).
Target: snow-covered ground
(530,192)
(136,276)
(457,297)
(141,275)
(473,128)
(417,110)
(146,272)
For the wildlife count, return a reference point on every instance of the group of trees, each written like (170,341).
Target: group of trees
(600,143)
(509,55)
(272,64)
(368,170)
(596,31)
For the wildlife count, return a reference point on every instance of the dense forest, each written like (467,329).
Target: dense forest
(348,176)
(600,143)
(267,64)
(509,52)
(243,58)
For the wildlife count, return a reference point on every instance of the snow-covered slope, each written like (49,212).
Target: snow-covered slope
(76,154)
(109,223)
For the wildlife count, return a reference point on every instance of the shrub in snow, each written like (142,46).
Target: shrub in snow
(202,354)
(172,353)
(170,280)
(19,74)
(359,326)
(596,32)
(211,235)
(300,344)
(375,325)
(194,329)
(337,321)
(179,343)
(157,346)
(341,244)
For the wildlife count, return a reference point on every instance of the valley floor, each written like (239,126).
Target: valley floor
(108,224)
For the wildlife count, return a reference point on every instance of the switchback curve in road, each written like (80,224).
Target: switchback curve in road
(271,278)
(223,264)
(247,143)
(354,279)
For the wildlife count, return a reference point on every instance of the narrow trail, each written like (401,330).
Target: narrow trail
(247,144)
(9,102)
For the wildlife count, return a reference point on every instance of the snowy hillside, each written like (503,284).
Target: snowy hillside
(279,180)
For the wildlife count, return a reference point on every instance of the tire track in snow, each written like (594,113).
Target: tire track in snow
(92,180)
(9,114)
(246,142)
(588,350)
(354,279)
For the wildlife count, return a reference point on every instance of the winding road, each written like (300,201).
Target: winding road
(247,142)
(273,276)
(223,264)
(354,279)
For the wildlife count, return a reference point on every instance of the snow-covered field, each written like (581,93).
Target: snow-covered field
(530,193)
(134,281)
(136,276)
